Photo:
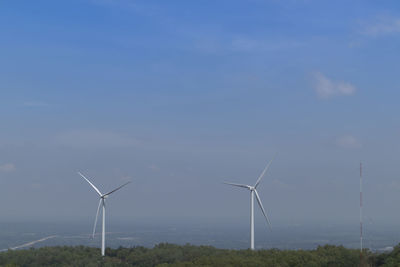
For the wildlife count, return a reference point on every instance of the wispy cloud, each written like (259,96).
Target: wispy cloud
(279,184)
(154,167)
(222,43)
(244,44)
(326,88)
(348,141)
(8,167)
(383,25)
(34,104)
(36,186)
(95,139)
(144,8)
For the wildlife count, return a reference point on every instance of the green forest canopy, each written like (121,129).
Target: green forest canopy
(165,254)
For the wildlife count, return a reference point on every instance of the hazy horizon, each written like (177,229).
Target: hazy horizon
(228,236)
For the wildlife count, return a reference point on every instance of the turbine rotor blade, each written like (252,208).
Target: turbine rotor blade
(264,171)
(262,208)
(115,189)
(94,187)
(239,185)
(97,215)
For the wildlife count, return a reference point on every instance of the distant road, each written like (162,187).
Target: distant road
(30,243)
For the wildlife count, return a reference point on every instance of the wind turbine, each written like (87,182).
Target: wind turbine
(103,205)
(253,192)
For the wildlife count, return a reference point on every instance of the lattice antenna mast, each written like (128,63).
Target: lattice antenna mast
(361,222)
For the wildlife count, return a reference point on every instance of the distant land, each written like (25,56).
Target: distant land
(292,237)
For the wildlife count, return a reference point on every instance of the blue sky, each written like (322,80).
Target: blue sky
(179,96)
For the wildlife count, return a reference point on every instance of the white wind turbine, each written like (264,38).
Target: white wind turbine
(253,192)
(101,203)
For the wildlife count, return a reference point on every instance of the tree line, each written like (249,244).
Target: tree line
(164,254)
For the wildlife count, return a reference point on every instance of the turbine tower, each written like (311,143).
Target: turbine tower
(102,203)
(253,191)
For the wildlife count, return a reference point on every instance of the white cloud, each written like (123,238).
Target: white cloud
(325,87)
(94,139)
(8,167)
(348,141)
(382,26)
